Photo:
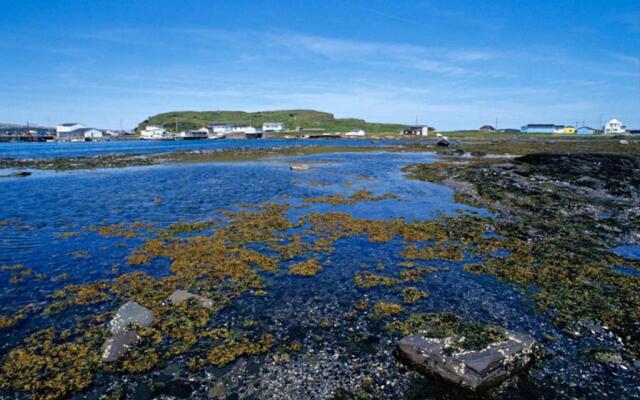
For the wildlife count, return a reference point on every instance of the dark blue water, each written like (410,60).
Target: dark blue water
(69,149)
(34,212)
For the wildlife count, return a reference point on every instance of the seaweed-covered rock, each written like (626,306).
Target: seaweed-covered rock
(118,345)
(469,369)
(180,296)
(128,314)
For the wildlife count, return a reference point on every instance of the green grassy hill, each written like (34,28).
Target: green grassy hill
(292,119)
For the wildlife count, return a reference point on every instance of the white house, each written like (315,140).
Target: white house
(355,133)
(272,127)
(614,127)
(220,128)
(243,129)
(91,133)
(63,129)
(153,132)
(558,129)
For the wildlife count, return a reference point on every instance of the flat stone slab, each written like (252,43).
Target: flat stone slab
(473,369)
(128,314)
(118,345)
(180,296)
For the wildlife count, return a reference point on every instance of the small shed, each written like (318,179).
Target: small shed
(487,128)
(418,130)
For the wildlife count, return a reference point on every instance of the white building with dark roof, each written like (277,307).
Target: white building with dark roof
(68,127)
(614,127)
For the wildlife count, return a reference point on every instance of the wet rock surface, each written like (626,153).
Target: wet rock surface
(473,369)
(130,313)
(180,296)
(118,345)
(618,175)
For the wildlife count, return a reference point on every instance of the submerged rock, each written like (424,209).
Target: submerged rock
(180,296)
(470,369)
(130,313)
(117,345)
(19,174)
(300,167)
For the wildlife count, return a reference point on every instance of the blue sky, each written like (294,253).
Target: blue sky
(450,64)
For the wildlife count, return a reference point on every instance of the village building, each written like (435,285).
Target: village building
(75,131)
(569,130)
(153,132)
(487,128)
(91,133)
(202,133)
(355,133)
(68,127)
(269,127)
(418,130)
(219,128)
(614,127)
(585,130)
(244,129)
(539,128)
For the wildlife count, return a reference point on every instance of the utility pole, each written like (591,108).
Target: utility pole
(496,123)
(176,119)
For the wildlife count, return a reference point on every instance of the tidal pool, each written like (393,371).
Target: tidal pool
(322,346)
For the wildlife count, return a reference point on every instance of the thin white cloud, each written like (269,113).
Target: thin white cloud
(627,58)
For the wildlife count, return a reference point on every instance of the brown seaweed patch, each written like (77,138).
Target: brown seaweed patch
(233,349)
(112,231)
(383,310)
(305,268)
(368,280)
(340,199)
(413,294)
(48,368)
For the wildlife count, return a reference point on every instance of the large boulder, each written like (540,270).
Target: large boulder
(118,345)
(472,369)
(128,314)
(180,296)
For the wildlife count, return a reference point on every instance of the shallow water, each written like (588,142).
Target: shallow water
(75,149)
(37,210)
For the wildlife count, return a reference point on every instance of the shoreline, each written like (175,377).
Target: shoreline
(496,147)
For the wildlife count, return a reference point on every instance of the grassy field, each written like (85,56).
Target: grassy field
(305,119)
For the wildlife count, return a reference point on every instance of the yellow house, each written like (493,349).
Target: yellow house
(569,129)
